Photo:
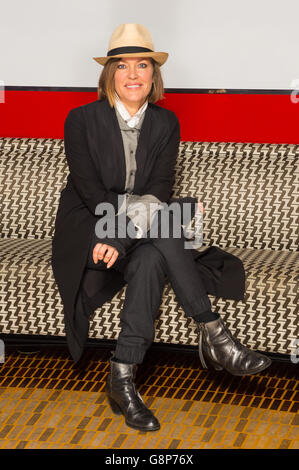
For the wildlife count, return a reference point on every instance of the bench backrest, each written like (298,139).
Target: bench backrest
(249,191)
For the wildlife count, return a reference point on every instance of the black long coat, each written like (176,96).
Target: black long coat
(97,172)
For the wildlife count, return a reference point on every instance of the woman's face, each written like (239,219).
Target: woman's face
(133,80)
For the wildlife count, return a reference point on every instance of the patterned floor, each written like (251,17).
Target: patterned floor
(48,402)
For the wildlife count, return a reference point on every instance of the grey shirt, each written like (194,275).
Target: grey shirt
(140,209)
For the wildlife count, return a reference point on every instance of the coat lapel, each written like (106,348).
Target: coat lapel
(116,143)
(142,150)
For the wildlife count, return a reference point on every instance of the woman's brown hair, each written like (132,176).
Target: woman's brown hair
(106,82)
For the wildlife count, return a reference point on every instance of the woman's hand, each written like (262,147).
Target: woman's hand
(99,254)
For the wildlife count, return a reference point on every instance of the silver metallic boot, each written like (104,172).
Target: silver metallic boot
(218,347)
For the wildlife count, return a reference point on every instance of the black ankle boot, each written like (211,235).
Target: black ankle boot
(125,399)
(218,347)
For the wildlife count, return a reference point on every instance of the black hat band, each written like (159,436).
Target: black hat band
(127,50)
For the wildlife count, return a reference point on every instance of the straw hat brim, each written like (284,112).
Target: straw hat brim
(159,57)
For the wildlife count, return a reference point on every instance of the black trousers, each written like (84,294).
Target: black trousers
(146,267)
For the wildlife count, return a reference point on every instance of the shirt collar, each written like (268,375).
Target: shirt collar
(132,121)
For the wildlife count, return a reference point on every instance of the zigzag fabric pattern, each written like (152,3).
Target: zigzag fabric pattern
(250,197)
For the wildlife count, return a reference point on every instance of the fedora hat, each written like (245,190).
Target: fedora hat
(131,40)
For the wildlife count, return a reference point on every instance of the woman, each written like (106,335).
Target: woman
(121,151)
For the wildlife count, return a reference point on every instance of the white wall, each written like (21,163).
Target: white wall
(211,43)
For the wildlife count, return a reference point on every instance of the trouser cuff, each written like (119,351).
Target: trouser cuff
(206,317)
(198,306)
(129,354)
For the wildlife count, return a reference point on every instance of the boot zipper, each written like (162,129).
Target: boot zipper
(201,356)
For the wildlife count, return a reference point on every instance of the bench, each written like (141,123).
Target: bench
(249,193)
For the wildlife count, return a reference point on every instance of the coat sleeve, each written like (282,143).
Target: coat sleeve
(86,180)
(163,173)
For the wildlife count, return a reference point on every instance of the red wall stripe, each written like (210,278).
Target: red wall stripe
(209,117)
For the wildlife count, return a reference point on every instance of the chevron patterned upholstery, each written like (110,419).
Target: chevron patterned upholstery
(250,196)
